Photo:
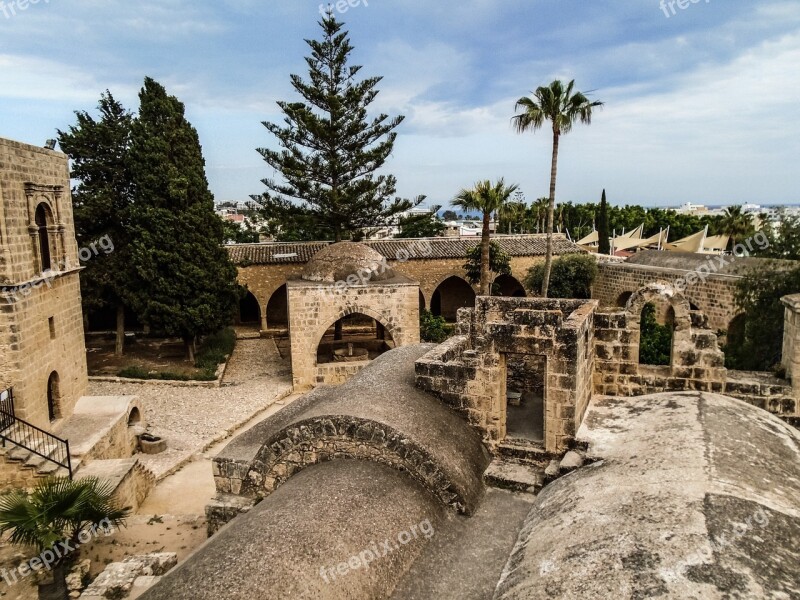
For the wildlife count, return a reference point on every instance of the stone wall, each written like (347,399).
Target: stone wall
(41,324)
(791,340)
(469,371)
(713,296)
(315,307)
(697,362)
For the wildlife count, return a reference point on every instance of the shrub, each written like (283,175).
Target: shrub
(432,328)
(655,345)
(572,276)
(215,349)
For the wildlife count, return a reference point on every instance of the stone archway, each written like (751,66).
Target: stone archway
(353,337)
(508,285)
(451,295)
(249,310)
(278,309)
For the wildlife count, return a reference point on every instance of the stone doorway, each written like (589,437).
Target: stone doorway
(525,393)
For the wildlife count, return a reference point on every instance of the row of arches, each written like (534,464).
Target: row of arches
(450,295)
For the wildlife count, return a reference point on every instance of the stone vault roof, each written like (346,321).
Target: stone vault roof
(431,248)
(337,262)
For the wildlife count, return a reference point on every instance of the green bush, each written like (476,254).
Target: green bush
(572,276)
(655,343)
(433,329)
(214,349)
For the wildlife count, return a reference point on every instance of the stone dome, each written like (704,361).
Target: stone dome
(339,261)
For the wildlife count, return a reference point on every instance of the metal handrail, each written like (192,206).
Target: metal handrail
(30,437)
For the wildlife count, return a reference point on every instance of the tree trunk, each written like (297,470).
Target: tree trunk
(119,349)
(57,590)
(486,285)
(548,261)
(188,342)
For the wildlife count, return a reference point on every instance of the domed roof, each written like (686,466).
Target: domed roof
(339,261)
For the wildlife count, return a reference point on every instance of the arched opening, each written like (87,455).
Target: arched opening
(506,285)
(422,304)
(249,310)
(53,397)
(734,342)
(693,306)
(623,298)
(354,338)
(453,293)
(278,309)
(655,339)
(44,218)
(134,417)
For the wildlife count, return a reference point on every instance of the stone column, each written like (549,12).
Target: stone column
(791,341)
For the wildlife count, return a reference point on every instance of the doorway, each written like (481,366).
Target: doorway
(525,393)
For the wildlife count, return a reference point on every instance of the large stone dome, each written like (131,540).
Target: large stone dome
(339,261)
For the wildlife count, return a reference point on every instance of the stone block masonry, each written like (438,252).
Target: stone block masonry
(42,350)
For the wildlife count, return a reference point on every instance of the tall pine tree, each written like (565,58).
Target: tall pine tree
(602,226)
(185,283)
(331,151)
(101,203)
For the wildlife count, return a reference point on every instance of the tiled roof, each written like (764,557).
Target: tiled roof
(431,248)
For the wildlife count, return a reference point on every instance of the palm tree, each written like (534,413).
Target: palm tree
(487,198)
(736,224)
(555,103)
(56,516)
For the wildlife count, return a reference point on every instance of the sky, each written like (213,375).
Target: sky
(700,97)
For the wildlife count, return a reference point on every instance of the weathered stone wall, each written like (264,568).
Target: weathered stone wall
(791,340)
(264,280)
(41,324)
(713,296)
(697,362)
(315,307)
(469,371)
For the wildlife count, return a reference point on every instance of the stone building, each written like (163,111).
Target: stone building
(436,263)
(343,281)
(41,328)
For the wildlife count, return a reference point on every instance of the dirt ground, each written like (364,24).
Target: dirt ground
(149,354)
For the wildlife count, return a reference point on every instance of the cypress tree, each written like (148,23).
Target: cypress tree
(101,204)
(602,226)
(330,150)
(185,283)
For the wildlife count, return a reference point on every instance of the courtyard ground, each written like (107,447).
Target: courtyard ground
(197,423)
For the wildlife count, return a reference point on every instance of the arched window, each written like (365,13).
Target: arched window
(44,218)
(53,397)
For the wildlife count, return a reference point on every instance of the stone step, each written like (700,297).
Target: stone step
(525,452)
(51,469)
(514,476)
(35,461)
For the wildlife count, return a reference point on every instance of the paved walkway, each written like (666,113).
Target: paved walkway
(192,419)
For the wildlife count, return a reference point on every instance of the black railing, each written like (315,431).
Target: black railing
(33,439)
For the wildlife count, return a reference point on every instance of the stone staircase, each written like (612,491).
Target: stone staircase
(33,455)
(524,466)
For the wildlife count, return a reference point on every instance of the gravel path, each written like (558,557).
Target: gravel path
(191,419)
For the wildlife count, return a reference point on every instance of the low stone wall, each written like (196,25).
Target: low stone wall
(764,391)
(338,373)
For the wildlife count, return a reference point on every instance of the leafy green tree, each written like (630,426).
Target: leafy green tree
(449,215)
(57,514)
(184,282)
(783,241)
(433,329)
(758,295)
(513,217)
(572,276)
(235,234)
(655,342)
(330,152)
(602,226)
(101,200)
(737,224)
(499,263)
(555,103)
(422,225)
(487,198)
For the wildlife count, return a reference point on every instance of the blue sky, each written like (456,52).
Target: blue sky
(700,104)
